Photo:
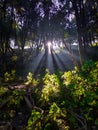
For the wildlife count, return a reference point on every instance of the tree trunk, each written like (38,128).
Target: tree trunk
(70,54)
(79,19)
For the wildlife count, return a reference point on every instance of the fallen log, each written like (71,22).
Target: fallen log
(21,86)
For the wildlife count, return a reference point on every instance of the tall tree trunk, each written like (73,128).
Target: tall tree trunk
(77,9)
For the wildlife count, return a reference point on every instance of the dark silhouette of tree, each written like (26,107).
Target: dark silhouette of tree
(41,21)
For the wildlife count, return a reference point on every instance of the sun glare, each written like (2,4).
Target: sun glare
(49,46)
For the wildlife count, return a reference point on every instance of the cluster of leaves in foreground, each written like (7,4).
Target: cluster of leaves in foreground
(66,101)
(69,101)
(13,98)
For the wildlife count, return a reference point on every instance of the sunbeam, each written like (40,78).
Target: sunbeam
(49,47)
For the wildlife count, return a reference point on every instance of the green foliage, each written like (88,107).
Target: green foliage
(96,43)
(66,35)
(67,78)
(64,101)
(88,66)
(9,77)
(58,115)
(55,111)
(69,96)
(12,101)
(54,119)
(50,87)
(34,120)
(14,58)
(83,87)
(3,90)
(31,80)
(16,98)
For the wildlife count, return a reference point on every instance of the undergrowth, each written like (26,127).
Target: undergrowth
(67,101)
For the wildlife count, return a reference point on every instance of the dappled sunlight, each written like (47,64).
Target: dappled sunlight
(57,50)
(50,87)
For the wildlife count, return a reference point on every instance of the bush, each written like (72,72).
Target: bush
(66,101)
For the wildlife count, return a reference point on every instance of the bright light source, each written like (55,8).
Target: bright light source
(49,46)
